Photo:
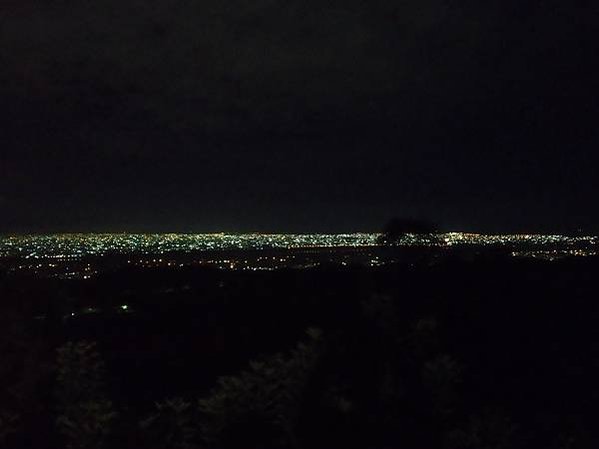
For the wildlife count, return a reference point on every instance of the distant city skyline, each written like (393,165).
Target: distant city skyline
(84,256)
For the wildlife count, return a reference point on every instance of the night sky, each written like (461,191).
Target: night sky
(298,115)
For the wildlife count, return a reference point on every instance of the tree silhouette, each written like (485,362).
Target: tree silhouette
(85,415)
(172,425)
(260,406)
(398,228)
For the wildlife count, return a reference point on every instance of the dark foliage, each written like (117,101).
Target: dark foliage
(495,353)
(397,228)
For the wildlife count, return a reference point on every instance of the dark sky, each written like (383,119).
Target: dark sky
(298,115)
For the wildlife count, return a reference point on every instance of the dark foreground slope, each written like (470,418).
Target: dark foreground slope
(492,353)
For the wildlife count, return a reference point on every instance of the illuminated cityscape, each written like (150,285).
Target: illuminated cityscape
(73,246)
(85,255)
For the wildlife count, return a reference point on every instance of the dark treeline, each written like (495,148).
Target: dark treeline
(496,353)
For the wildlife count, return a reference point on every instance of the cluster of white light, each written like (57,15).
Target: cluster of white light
(463,238)
(64,247)
(74,246)
(555,254)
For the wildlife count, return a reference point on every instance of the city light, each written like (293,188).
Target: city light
(83,256)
